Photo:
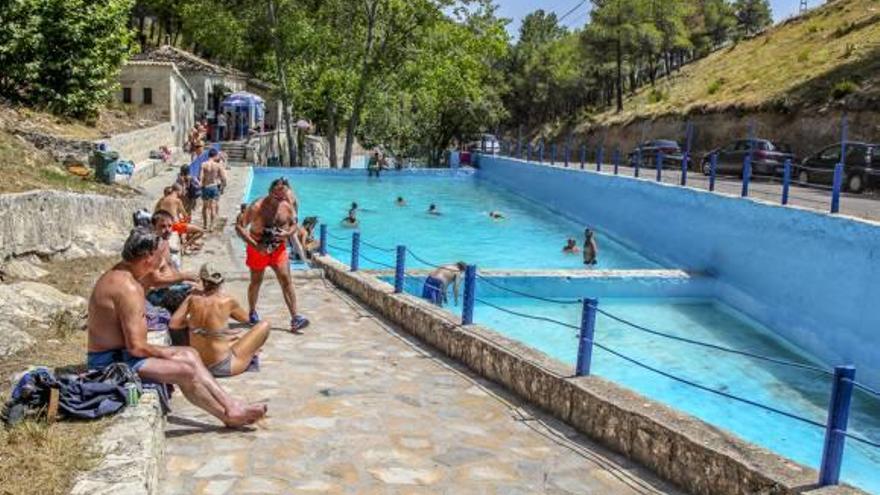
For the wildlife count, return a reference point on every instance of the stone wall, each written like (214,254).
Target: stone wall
(136,145)
(680,448)
(49,223)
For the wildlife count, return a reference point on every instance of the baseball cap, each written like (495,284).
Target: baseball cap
(208,273)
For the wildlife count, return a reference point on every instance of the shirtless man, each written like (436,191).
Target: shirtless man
(351,220)
(172,202)
(213,180)
(206,315)
(591,249)
(571,246)
(432,210)
(266,226)
(165,285)
(117,332)
(438,281)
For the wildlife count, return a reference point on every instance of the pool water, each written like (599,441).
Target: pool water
(799,391)
(530,237)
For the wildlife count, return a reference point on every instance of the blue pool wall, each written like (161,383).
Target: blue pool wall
(813,278)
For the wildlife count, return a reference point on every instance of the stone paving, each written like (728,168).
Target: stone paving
(356,407)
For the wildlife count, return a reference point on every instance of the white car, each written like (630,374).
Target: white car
(491,143)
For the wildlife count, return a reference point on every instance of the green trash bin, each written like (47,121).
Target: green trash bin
(104,163)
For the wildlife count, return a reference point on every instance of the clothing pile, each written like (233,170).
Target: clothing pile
(124,167)
(89,395)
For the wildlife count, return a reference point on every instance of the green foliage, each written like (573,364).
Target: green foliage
(803,56)
(843,89)
(752,16)
(656,95)
(715,85)
(63,55)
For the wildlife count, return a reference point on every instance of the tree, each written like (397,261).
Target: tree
(52,56)
(752,16)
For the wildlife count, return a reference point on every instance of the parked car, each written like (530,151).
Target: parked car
(648,151)
(768,157)
(491,143)
(861,170)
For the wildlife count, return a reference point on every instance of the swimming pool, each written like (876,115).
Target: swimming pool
(798,391)
(530,237)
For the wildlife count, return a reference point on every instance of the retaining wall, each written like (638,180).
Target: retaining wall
(809,276)
(136,145)
(47,223)
(682,449)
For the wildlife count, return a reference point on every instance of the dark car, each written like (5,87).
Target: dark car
(861,170)
(649,150)
(768,158)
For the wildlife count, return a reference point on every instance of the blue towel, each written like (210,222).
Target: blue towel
(124,167)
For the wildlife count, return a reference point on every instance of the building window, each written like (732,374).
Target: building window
(148,96)
(126,95)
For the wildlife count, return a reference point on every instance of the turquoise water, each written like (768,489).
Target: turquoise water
(530,237)
(802,392)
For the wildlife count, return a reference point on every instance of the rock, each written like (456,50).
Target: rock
(32,302)
(12,339)
(47,223)
(22,269)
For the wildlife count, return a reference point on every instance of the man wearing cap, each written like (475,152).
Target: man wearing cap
(266,226)
(205,316)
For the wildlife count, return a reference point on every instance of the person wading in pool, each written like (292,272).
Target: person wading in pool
(591,249)
(400,201)
(571,246)
(438,282)
(432,210)
(351,219)
(266,226)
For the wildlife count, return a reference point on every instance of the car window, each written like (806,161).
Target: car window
(857,154)
(764,145)
(830,153)
(742,146)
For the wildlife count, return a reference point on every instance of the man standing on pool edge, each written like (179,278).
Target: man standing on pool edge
(266,226)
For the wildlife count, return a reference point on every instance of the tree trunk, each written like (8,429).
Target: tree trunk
(619,81)
(331,132)
(361,90)
(152,27)
(282,79)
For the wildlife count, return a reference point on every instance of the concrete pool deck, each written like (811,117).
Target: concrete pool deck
(356,406)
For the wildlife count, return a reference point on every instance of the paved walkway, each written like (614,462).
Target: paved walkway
(356,407)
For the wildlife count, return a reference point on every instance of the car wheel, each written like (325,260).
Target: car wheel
(803,178)
(855,184)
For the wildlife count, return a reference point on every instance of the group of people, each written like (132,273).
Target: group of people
(590,249)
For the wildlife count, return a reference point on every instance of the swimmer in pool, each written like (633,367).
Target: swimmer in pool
(496,215)
(571,246)
(351,219)
(591,249)
(432,210)
(400,201)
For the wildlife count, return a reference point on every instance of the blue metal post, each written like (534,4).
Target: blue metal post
(583,155)
(747,175)
(585,342)
(483,145)
(567,152)
(684,169)
(835,431)
(355,250)
(638,164)
(786,180)
(519,148)
(323,236)
(659,165)
(616,160)
(835,188)
(529,151)
(541,151)
(844,131)
(713,165)
(600,154)
(470,285)
(553,154)
(399,269)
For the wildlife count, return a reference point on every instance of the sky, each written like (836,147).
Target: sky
(517,9)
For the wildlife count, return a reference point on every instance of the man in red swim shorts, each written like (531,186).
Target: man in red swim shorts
(266,226)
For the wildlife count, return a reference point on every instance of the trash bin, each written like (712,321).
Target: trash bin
(104,163)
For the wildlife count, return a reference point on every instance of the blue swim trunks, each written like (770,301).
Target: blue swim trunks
(210,192)
(433,291)
(100,360)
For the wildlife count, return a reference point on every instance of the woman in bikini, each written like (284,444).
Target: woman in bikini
(206,315)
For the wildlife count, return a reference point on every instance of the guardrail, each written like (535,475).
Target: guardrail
(843,377)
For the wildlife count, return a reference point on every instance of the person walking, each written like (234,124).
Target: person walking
(266,226)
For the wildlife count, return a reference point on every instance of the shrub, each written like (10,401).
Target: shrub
(803,56)
(63,55)
(656,95)
(843,89)
(715,85)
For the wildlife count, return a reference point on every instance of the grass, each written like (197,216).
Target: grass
(25,168)
(35,457)
(798,61)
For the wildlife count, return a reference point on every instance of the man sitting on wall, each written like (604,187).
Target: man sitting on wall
(117,332)
(166,285)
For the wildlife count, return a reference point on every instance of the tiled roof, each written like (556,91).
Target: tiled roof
(186,61)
